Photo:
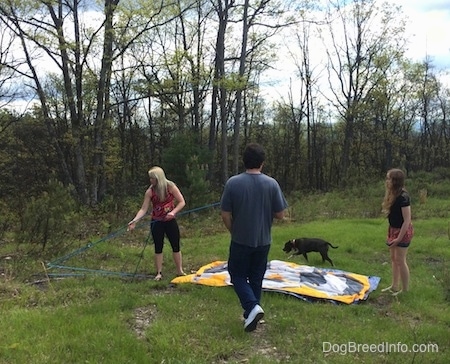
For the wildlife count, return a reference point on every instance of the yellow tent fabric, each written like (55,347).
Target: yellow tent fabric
(301,281)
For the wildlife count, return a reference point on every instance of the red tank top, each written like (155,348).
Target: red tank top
(162,208)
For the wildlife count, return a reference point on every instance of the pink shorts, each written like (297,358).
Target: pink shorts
(393,233)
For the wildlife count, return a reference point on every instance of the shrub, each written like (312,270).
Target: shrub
(48,218)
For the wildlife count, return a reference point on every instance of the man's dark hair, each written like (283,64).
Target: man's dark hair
(254,156)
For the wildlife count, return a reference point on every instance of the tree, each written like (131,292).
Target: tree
(56,32)
(366,31)
(219,92)
(9,91)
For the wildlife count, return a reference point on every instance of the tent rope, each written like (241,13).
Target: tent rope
(57,263)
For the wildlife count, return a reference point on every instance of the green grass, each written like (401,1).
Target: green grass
(101,319)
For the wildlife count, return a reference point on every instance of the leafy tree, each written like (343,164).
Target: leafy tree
(183,157)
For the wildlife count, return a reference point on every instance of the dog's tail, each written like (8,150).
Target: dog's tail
(334,247)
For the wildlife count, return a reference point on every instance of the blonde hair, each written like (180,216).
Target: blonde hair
(162,183)
(394,189)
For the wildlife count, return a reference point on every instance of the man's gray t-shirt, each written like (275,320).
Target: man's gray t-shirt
(252,199)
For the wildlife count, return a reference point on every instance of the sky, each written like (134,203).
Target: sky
(429,28)
(428,33)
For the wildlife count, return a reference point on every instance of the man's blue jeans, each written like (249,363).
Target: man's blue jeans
(247,267)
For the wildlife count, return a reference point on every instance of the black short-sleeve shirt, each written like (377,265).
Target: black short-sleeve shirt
(395,215)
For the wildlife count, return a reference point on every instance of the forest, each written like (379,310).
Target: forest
(112,88)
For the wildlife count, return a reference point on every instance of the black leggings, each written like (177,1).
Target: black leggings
(169,228)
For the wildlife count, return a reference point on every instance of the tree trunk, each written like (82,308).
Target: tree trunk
(97,189)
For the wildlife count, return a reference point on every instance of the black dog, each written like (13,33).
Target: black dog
(305,245)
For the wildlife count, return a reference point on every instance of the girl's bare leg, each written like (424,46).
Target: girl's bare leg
(402,266)
(158,265)
(178,263)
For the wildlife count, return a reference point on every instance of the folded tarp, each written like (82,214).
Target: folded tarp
(302,281)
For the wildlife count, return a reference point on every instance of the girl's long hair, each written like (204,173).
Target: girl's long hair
(162,183)
(397,185)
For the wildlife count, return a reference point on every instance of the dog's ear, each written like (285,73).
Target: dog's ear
(293,242)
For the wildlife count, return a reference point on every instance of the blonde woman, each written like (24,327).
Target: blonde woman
(166,200)
(397,207)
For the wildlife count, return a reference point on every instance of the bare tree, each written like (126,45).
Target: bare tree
(219,92)
(360,32)
(9,91)
(253,15)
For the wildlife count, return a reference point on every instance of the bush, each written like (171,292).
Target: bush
(49,218)
(6,219)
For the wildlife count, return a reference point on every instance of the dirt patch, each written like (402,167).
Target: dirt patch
(261,346)
(381,301)
(143,317)
(264,348)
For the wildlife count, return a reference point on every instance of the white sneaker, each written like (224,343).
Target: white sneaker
(253,317)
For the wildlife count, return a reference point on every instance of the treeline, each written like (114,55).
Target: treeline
(118,88)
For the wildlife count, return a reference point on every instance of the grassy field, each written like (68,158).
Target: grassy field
(49,317)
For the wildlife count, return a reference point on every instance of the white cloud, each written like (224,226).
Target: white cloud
(428,29)
(428,26)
